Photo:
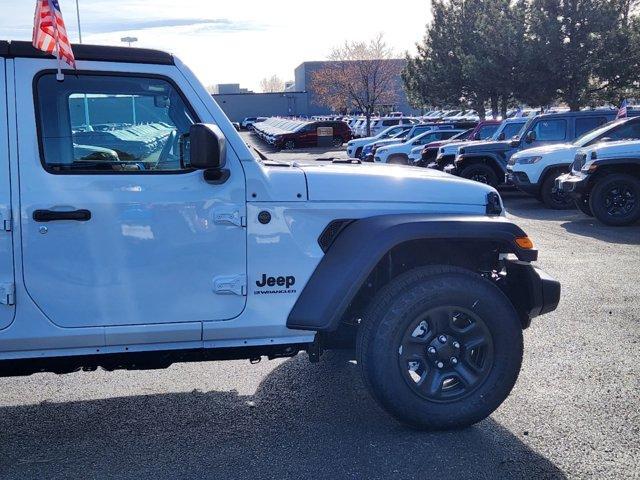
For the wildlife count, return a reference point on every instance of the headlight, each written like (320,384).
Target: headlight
(528,160)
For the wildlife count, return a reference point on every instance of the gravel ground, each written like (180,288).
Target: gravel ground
(573,413)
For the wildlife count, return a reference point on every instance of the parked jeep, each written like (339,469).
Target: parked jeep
(446,154)
(605,182)
(484,130)
(177,244)
(486,162)
(534,170)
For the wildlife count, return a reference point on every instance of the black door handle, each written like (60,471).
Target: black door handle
(51,215)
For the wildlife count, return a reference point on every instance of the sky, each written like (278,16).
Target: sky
(233,41)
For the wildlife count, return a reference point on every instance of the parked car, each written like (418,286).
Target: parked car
(605,182)
(415,156)
(534,170)
(369,150)
(487,161)
(399,153)
(447,153)
(380,124)
(248,122)
(307,135)
(179,246)
(482,131)
(355,146)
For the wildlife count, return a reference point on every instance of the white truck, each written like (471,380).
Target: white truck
(139,230)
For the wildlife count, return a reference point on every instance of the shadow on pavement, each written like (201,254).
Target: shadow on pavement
(305,421)
(574,221)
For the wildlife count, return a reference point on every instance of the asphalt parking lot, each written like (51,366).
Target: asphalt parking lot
(575,411)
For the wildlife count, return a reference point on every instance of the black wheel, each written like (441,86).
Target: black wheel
(480,173)
(615,199)
(440,347)
(289,145)
(554,198)
(583,206)
(398,160)
(358,152)
(337,141)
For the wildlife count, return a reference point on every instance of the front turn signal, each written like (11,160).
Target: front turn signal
(524,242)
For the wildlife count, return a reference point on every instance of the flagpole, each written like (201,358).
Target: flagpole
(78,17)
(59,75)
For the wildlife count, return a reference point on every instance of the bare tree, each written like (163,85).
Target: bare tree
(272,84)
(360,75)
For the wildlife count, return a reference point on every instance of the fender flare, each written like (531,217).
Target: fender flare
(362,244)
(461,164)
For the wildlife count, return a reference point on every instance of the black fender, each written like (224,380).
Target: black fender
(495,159)
(362,244)
(561,167)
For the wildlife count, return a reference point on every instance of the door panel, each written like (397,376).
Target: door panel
(7,309)
(152,247)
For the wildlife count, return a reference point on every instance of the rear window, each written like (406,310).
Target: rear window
(584,125)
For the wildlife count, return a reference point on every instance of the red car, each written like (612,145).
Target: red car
(484,130)
(314,134)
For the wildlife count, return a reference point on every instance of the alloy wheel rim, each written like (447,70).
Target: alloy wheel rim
(619,200)
(446,354)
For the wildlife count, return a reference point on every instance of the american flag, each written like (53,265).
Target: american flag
(622,111)
(49,32)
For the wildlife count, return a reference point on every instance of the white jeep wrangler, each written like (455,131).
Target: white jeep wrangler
(140,230)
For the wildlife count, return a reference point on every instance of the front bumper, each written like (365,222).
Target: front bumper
(520,180)
(532,291)
(576,186)
(451,169)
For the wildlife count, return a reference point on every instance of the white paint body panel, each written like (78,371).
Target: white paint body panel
(552,155)
(138,276)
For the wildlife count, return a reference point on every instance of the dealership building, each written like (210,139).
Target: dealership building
(298,99)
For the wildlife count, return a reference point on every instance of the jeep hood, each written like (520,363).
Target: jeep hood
(488,147)
(385,183)
(546,150)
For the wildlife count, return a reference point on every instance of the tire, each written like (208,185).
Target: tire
(398,160)
(552,198)
(337,142)
(289,145)
(358,152)
(480,172)
(615,199)
(583,206)
(394,314)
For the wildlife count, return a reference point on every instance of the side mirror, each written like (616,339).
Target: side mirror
(606,139)
(514,142)
(207,147)
(502,136)
(531,136)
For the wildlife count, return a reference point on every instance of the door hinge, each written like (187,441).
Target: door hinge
(230,285)
(7,293)
(230,218)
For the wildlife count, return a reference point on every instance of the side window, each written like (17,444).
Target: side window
(111,123)
(512,129)
(584,125)
(486,132)
(550,130)
(625,132)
